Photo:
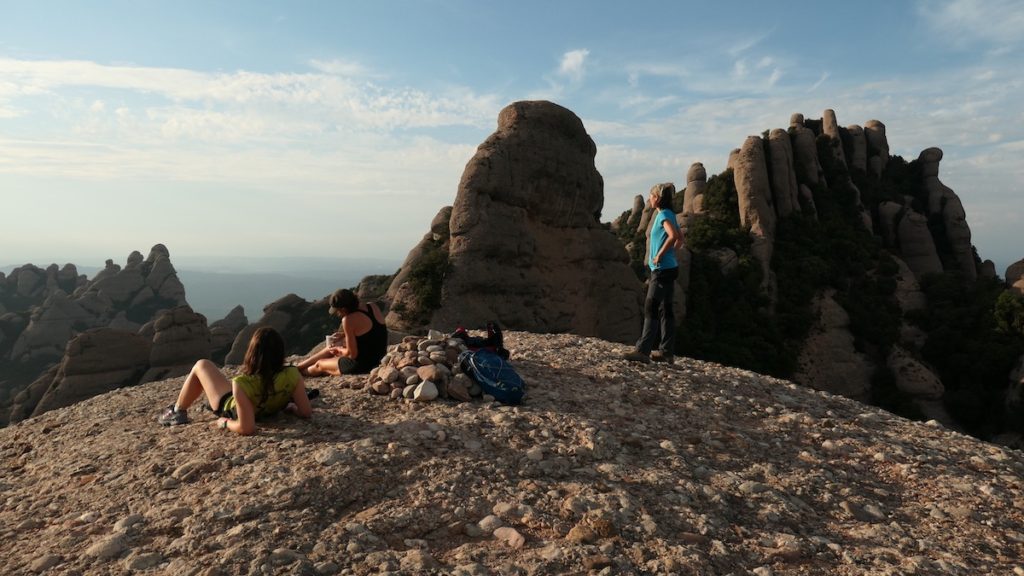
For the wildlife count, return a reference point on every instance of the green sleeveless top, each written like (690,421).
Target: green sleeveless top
(285,382)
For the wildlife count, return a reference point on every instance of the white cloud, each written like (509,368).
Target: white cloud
(739,69)
(573,64)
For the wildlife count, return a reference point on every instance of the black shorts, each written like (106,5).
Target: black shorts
(347,365)
(224,413)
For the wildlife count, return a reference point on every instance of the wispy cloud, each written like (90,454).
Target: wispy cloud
(960,22)
(821,80)
(745,44)
(573,64)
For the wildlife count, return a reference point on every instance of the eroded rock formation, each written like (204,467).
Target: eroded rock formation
(180,337)
(755,205)
(97,361)
(526,248)
(829,361)
(784,186)
(44,310)
(1015,276)
(224,331)
(944,203)
(302,324)
(696,183)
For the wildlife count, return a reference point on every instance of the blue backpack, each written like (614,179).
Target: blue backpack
(494,375)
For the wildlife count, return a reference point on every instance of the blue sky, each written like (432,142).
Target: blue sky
(340,128)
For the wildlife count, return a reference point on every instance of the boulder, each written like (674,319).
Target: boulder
(805,156)
(877,147)
(121,287)
(526,247)
(913,377)
(908,289)
(373,288)
(180,338)
(302,324)
(29,279)
(755,207)
(50,328)
(636,212)
(909,297)
(28,398)
(1015,276)
(783,175)
(916,244)
(162,278)
(796,119)
(958,233)
(696,183)
(645,219)
(987,269)
(942,201)
(889,214)
(830,127)
(858,152)
(110,269)
(224,331)
(828,360)
(96,361)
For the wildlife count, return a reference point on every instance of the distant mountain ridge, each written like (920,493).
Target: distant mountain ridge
(65,337)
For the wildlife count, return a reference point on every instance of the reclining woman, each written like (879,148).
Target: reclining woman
(265,386)
(365,339)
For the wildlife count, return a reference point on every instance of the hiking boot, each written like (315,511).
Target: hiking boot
(172,417)
(658,356)
(638,356)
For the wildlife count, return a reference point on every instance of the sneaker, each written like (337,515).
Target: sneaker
(637,356)
(172,417)
(658,356)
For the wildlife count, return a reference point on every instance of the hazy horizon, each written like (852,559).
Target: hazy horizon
(214,287)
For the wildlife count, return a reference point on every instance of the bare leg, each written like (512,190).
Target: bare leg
(320,364)
(302,366)
(204,377)
(323,367)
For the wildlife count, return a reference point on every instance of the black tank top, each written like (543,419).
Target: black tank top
(371,346)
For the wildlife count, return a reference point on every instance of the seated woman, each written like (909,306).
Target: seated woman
(266,386)
(365,339)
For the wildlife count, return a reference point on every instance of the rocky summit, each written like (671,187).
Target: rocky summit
(606,468)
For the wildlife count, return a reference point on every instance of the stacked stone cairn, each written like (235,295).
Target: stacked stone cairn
(421,369)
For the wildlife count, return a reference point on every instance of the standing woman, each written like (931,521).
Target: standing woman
(365,339)
(658,315)
(265,386)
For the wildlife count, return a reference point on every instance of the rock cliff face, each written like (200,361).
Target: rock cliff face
(1015,276)
(690,469)
(524,245)
(98,361)
(757,211)
(819,170)
(180,337)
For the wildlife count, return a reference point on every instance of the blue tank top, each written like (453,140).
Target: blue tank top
(658,238)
